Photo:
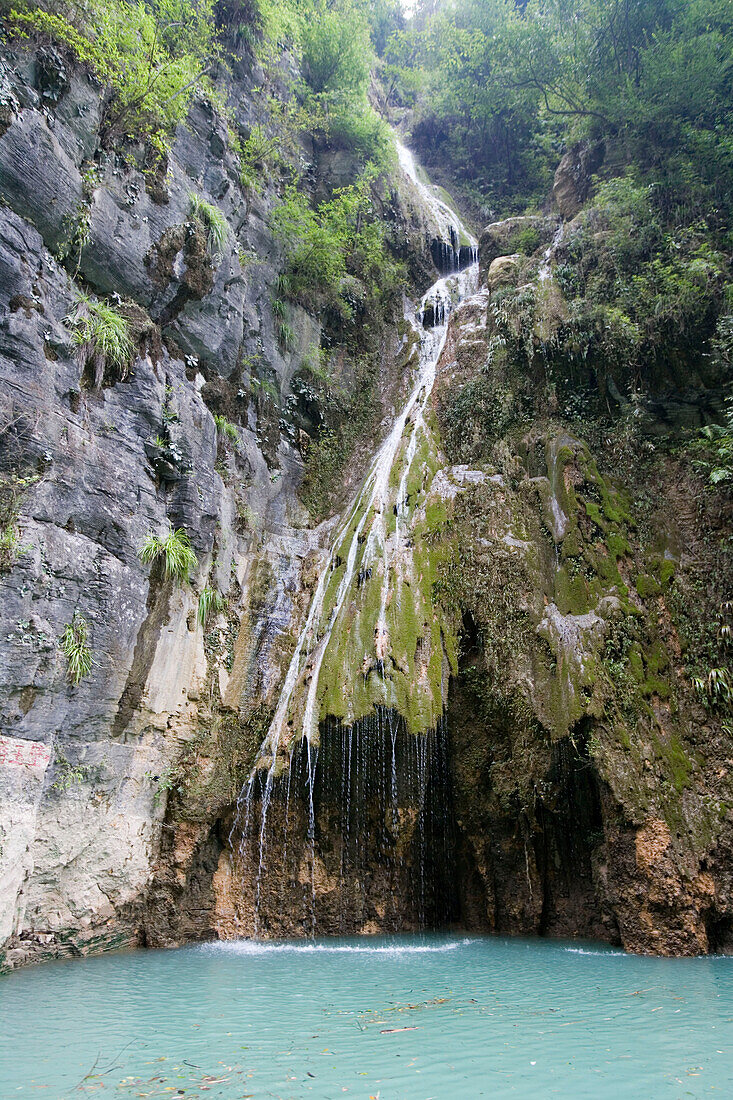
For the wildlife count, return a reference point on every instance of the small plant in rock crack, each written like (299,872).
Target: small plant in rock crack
(210,602)
(247,516)
(167,780)
(69,775)
(212,220)
(175,549)
(285,336)
(10,546)
(226,428)
(76,649)
(102,336)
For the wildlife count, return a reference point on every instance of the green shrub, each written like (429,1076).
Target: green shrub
(527,241)
(153,55)
(76,648)
(175,549)
(213,222)
(210,601)
(336,48)
(337,248)
(103,337)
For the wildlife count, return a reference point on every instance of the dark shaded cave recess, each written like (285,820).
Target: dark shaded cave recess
(530,847)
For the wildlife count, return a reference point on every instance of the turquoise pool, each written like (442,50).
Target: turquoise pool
(406,1019)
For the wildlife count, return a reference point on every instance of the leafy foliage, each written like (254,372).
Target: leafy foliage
(643,294)
(175,549)
(336,253)
(151,54)
(226,428)
(504,85)
(332,41)
(76,649)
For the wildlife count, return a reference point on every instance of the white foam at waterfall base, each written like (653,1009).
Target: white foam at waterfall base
(258,947)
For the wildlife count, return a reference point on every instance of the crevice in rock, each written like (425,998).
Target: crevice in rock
(157,607)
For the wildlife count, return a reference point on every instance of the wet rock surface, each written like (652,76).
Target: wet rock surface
(590,786)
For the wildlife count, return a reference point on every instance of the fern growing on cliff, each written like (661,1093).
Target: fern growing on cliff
(174,548)
(76,649)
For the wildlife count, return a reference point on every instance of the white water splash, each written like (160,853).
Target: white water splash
(258,947)
(373,500)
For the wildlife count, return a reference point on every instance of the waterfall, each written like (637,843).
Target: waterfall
(454,249)
(338,746)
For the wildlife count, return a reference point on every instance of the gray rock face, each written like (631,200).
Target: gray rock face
(83,481)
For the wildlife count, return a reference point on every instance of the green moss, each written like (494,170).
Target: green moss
(666,572)
(615,504)
(677,763)
(571,593)
(419,472)
(594,514)
(571,544)
(564,456)
(436,514)
(647,586)
(618,545)
(636,664)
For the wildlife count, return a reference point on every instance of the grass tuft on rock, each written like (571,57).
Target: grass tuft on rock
(210,602)
(213,221)
(175,549)
(103,336)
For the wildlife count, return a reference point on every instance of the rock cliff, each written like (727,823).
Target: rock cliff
(564,571)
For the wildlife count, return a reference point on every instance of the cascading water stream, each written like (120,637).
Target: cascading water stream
(363,546)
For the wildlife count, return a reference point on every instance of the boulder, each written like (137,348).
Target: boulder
(503,270)
(573,177)
(504,238)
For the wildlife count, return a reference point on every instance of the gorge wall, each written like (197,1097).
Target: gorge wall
(568,574)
